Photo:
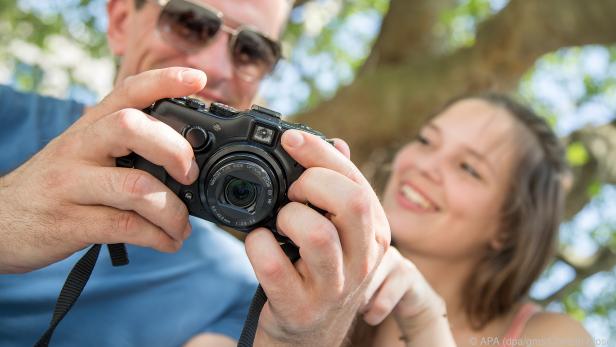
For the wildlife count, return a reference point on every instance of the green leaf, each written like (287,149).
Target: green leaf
(577,154)
(593,189)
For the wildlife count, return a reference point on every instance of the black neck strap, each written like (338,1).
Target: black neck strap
(76,281)
(80,274)
(249,330)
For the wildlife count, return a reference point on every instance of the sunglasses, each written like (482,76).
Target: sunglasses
(190,27)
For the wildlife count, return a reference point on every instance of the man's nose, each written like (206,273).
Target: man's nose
(215,59)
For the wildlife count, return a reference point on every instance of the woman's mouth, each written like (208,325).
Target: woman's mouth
(413,199)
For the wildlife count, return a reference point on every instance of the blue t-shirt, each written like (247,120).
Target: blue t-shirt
(158,299)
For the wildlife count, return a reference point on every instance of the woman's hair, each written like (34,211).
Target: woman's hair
(529,218)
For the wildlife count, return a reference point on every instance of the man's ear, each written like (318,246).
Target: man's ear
(118,12)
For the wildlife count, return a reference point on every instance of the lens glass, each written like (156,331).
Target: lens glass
(254,55)
(187,25)
(240,193)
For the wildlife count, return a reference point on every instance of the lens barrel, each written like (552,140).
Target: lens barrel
(241,190)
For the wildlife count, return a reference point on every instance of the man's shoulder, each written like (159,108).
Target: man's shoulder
(29,121)
(16,99)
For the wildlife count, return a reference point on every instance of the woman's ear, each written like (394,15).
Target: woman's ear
(497,243)
(118,13)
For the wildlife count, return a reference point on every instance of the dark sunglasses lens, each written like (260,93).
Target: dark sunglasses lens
(187,25)
(254,54)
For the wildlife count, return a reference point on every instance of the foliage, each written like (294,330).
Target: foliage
(37,35)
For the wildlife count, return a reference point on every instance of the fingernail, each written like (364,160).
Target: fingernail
(191,76)
(293,138)
(193,172)
(370,320)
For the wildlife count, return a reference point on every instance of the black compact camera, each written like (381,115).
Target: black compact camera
(244,171)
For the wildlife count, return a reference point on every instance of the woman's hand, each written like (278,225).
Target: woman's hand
(398,288)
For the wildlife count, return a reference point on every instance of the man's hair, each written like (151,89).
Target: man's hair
(140,3)
(530,217)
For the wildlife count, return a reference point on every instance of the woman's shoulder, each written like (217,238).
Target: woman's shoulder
(554,326)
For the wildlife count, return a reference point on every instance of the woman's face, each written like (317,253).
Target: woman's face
(447,187)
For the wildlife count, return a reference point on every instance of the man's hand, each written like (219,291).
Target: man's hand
(313,302)
(70,194)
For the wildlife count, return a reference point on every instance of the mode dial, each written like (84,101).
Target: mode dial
(223,110)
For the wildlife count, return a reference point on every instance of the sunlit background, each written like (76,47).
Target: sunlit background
(58,48)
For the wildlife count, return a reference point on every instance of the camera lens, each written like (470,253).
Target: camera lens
(240,189)
(240,193)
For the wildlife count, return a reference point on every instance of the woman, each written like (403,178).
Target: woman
(474,204)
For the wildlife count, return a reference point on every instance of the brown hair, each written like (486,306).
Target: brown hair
(530,217)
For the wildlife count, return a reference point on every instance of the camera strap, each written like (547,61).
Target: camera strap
(249,330)
(80,274)
(76,281)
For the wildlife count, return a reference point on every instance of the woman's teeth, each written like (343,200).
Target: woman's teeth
(416,198)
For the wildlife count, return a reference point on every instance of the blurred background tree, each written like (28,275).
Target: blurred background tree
(371,71)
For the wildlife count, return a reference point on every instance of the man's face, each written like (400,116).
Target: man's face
(133,36)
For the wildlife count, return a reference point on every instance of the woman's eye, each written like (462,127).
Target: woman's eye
(422,139)
(470,170)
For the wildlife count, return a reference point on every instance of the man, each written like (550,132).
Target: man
(70,195)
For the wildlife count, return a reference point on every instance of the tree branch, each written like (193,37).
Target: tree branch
(605,260)
(408,30)
(297,3)
(524,30)
(393,100)
(600,144)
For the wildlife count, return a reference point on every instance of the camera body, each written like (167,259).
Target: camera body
(244,173)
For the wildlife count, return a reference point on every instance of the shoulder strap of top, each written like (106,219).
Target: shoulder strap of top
(524,314)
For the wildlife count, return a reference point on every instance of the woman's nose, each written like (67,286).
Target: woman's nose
(430,165)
